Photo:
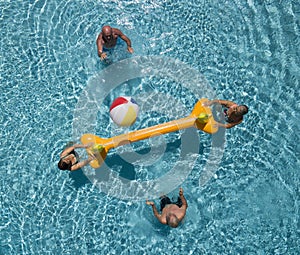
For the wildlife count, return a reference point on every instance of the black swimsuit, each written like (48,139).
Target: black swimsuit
(166,201)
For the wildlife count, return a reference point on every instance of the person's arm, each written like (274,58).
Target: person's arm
(229,125)
(225,103)
(124,38)
(183,200)
(69,150)
(99,43)
(82,163)
(184,205)
(155,212)
(73,147)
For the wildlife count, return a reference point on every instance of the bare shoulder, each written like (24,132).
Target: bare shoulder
(181,213)
(100,38)
(163,217)
(117,31)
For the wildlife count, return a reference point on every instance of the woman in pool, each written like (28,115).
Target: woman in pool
(69,159)
(233,112)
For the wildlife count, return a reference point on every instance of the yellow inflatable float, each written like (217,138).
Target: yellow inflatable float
(200,118)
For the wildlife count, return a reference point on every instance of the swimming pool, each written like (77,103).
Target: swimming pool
(247,52)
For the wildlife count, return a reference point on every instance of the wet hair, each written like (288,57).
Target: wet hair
(62,165)
(244,109)
(172,220)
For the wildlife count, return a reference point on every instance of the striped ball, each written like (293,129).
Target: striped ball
(124,111)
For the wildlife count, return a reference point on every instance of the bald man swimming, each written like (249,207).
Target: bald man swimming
(108,39)
(171,213)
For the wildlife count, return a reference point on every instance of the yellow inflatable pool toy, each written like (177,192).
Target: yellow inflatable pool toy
(200,118)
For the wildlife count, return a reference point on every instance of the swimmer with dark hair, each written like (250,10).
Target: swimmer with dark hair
(172,213)
(233,113)
(108,39)
(69,159)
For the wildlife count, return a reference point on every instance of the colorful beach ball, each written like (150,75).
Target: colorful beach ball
(124,111)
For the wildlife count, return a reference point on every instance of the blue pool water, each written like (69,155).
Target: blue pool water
(247,51)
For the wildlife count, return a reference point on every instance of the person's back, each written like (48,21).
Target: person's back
(171,213)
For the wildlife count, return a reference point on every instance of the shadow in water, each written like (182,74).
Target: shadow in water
(126,169)
(122,163)
(79,178)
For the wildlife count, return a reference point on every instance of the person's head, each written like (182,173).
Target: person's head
(107,32)
(172,220)
(64,164)
(241,110)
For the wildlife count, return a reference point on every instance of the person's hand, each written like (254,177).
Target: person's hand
(130,49)
(91,157)
(103,56)
(149,203)
(217,125)
(88,145)
(180,192)
(206,103)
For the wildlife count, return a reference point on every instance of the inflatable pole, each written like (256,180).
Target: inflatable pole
(200,118)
